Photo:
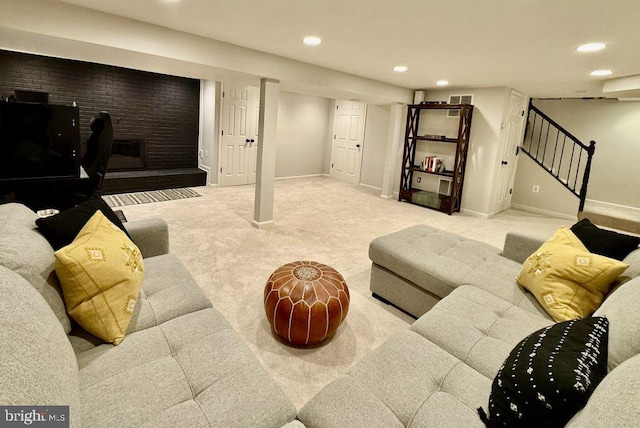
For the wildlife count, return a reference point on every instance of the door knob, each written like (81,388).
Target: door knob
(504,162)
(247,141)
(358,145)
(252,140)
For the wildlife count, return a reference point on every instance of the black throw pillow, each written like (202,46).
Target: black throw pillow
(549,376)
(605,242)
(61,229)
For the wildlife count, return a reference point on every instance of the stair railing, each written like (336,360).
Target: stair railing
(558,152)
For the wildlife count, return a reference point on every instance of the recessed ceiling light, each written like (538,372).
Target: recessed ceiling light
(591,47)
(442,82)
(311,40)
(602,73)
(400,68)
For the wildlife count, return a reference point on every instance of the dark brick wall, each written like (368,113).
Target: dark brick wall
(163,109)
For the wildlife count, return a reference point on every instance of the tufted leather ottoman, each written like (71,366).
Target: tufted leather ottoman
(305,302)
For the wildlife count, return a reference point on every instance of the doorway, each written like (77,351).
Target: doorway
(239,135)
(511,137)
(348,141)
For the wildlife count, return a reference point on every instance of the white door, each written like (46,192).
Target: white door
(348,136)
(239,142)
(511,137)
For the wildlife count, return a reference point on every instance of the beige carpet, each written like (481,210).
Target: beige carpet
(316,219)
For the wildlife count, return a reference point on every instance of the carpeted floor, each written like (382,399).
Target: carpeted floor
(316,219)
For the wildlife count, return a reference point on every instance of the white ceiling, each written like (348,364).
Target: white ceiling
(528,45)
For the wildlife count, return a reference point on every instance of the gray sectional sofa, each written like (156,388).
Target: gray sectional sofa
(472,314)
(180,365)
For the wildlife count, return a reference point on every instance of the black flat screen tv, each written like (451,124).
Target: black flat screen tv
(39,140)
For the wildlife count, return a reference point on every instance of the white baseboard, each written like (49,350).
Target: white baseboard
(395,196)
(370,186)
(474,213)
(262,224)
(543,212)
(301,176)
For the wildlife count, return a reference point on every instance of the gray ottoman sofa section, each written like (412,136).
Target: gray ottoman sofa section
(440,370)
(180,365)
(416,267)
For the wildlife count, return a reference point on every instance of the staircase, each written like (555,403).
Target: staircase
(568,160)
(558,152)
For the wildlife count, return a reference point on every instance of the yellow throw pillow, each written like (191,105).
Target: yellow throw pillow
(567,280)
(100,273)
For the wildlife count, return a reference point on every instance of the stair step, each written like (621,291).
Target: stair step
(615,217)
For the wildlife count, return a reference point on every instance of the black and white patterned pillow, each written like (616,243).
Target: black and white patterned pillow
(549,376)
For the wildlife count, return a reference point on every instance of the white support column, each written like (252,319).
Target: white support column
(394,143)
(266,168)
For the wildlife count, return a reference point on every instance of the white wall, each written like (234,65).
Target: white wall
(552,199)
(375,145)
(393,154)
(207,147)
(329,146)
(303,134)
(482,157)
(615,126)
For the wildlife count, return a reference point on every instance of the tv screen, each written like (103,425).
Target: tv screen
(38,140)
(32,96)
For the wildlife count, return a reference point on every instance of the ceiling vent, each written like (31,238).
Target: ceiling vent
(458,99)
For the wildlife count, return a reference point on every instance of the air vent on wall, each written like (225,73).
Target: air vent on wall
(458,99)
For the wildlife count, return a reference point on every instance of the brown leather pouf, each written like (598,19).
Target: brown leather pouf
(306,302)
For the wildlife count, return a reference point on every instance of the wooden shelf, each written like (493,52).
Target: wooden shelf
(449,203)
(436,106)
(442,174)
(428,199)
(439,140)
